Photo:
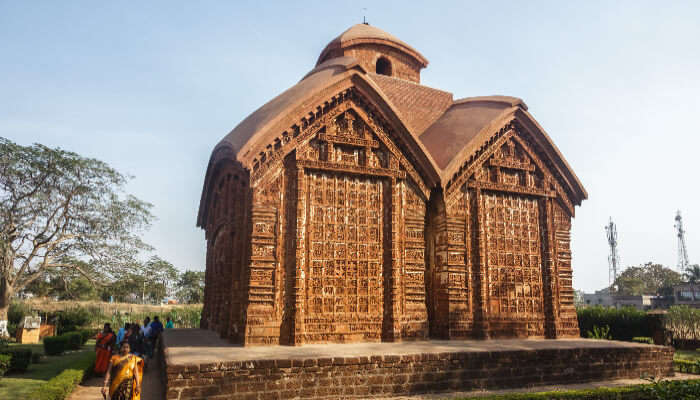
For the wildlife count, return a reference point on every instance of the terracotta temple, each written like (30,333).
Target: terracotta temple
(360,205)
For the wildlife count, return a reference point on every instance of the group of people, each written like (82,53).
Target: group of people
(133,345)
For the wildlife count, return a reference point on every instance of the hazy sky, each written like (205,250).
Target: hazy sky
(151,88)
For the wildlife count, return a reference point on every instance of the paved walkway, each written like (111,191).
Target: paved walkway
(195,346)
(152,388)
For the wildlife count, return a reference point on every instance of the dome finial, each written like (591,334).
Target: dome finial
(364,19)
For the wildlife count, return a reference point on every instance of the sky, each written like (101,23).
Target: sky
(151,87)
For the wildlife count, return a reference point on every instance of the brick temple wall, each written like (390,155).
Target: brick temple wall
(389,375)
(342,241)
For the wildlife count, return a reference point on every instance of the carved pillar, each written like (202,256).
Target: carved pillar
(300,271)
(568,321)
(291,239)
(208,286)
(480,265)
(549,272)
(457,277)
(392,262)
(241,255)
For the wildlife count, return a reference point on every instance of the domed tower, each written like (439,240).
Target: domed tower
(359,205)
(376,51)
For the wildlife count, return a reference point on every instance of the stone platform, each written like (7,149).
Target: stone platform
(200,365)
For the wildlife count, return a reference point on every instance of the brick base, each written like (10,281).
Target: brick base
(192,373)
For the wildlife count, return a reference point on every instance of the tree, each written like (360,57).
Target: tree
(60,211)
(647,279)
(65,284)
(692,274)
(160,275)
(191,287)
(578,298)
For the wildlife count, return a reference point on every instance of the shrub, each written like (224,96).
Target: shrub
(643,339)
(5,360)
(55,345)
(60,386)
(75,340)
(625,323)
(36,358)
(73,319)
(16,312)
(19,359)
(86,334)
(12,329)
(687,366)
(599,333)
(684,322)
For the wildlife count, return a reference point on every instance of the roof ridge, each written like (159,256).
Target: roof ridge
(419,105)
(508,100)
(380,76)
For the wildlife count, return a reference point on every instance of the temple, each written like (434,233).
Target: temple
(360,206)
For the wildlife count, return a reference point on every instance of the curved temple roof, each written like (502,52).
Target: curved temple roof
(448,131)
(368,34)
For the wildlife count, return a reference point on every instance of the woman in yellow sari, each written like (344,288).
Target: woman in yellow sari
(123,378)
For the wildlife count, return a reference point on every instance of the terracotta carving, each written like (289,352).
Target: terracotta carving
(363,206)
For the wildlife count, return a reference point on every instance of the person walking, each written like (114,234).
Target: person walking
(122,331)
(103,347)
(169,323)
(135,340)
(146,337)
(156,327)
(124,376)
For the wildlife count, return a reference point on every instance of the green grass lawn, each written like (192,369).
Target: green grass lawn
(19,385)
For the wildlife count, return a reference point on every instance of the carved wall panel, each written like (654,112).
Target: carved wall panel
(514,254)
(226,256)
(360,236)
(266,274)
(344,282)
(458,277)
(414,317)
(568,325)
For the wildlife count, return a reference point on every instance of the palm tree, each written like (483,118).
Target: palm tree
(692,274)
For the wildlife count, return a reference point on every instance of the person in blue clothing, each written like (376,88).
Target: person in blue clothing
(156,327)
(122,331)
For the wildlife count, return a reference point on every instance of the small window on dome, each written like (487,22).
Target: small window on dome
(383,66)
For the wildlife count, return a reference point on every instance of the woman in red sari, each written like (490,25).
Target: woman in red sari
(103,347)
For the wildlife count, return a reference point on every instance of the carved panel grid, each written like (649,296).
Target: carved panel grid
(514,256)
(344,284)
(414,252)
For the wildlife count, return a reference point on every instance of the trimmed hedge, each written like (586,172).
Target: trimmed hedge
(87,334)
(55,345)
(625,323)
(60,386)
(5,360)
(687,366)
(20,359)
(643,339)
(661,390)
(75,340)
